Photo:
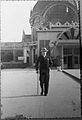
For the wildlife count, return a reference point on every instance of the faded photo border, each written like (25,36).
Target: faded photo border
(80,45)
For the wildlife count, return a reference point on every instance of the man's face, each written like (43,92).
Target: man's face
(44,53)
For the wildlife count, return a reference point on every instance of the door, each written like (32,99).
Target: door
(43,43)
(69,62)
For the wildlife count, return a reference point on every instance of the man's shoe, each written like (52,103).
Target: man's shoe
(41,93)
(45,94)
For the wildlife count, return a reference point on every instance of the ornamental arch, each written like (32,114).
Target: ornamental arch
(61,6)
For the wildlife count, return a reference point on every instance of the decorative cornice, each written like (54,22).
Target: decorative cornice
(66,24)
(57,25)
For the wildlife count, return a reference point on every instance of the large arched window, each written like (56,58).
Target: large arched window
(62,13)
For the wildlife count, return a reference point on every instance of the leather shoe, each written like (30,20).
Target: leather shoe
(41,93)
(45,94)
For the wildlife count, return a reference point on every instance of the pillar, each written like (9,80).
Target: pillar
(38,48)
(14,55)
(25,54)
(62,59)
(32,55)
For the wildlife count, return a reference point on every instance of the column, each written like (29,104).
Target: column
(25,54)
(32,55)
(38,47)
(14,52)
(14,55)
(62,59)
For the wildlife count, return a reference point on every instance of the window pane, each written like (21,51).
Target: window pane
(47,43)
(41,44)
(6,55)
(67,51)
(75,59)
(65,60)
(76,51)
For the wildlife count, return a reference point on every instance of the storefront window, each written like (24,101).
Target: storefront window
(6,55)
(75,59)
(65,60)
(67,51)
(76,51)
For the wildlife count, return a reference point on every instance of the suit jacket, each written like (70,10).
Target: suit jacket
(43,63)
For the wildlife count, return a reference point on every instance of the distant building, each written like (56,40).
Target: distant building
(54,25)
(10,51)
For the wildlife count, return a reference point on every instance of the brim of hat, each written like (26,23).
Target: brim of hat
(44,50)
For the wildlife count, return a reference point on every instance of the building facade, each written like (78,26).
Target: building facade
(11,52)
(54,25)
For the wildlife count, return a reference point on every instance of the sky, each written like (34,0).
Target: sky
(14,19)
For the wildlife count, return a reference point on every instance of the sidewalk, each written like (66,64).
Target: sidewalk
(19,95)
(74,73)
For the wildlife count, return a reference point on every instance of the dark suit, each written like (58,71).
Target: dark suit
(43,64)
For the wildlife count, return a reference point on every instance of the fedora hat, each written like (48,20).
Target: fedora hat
(44,50)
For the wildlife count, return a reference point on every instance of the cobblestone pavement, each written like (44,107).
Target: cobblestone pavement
(19,95)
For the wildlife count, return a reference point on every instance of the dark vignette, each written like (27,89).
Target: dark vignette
(80,44)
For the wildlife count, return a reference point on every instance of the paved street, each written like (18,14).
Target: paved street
(19,95)
(74,72)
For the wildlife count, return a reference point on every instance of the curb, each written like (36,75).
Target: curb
(72,76)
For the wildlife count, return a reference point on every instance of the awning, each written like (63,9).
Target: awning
(68,42)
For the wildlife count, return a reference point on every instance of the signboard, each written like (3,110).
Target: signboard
(20,58)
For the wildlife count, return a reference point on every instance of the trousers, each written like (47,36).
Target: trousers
(44,81)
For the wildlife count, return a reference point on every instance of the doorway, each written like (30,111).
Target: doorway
(70,62)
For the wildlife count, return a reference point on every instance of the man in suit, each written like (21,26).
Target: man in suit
(43,64)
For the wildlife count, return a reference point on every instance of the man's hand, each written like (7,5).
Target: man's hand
(37,72)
